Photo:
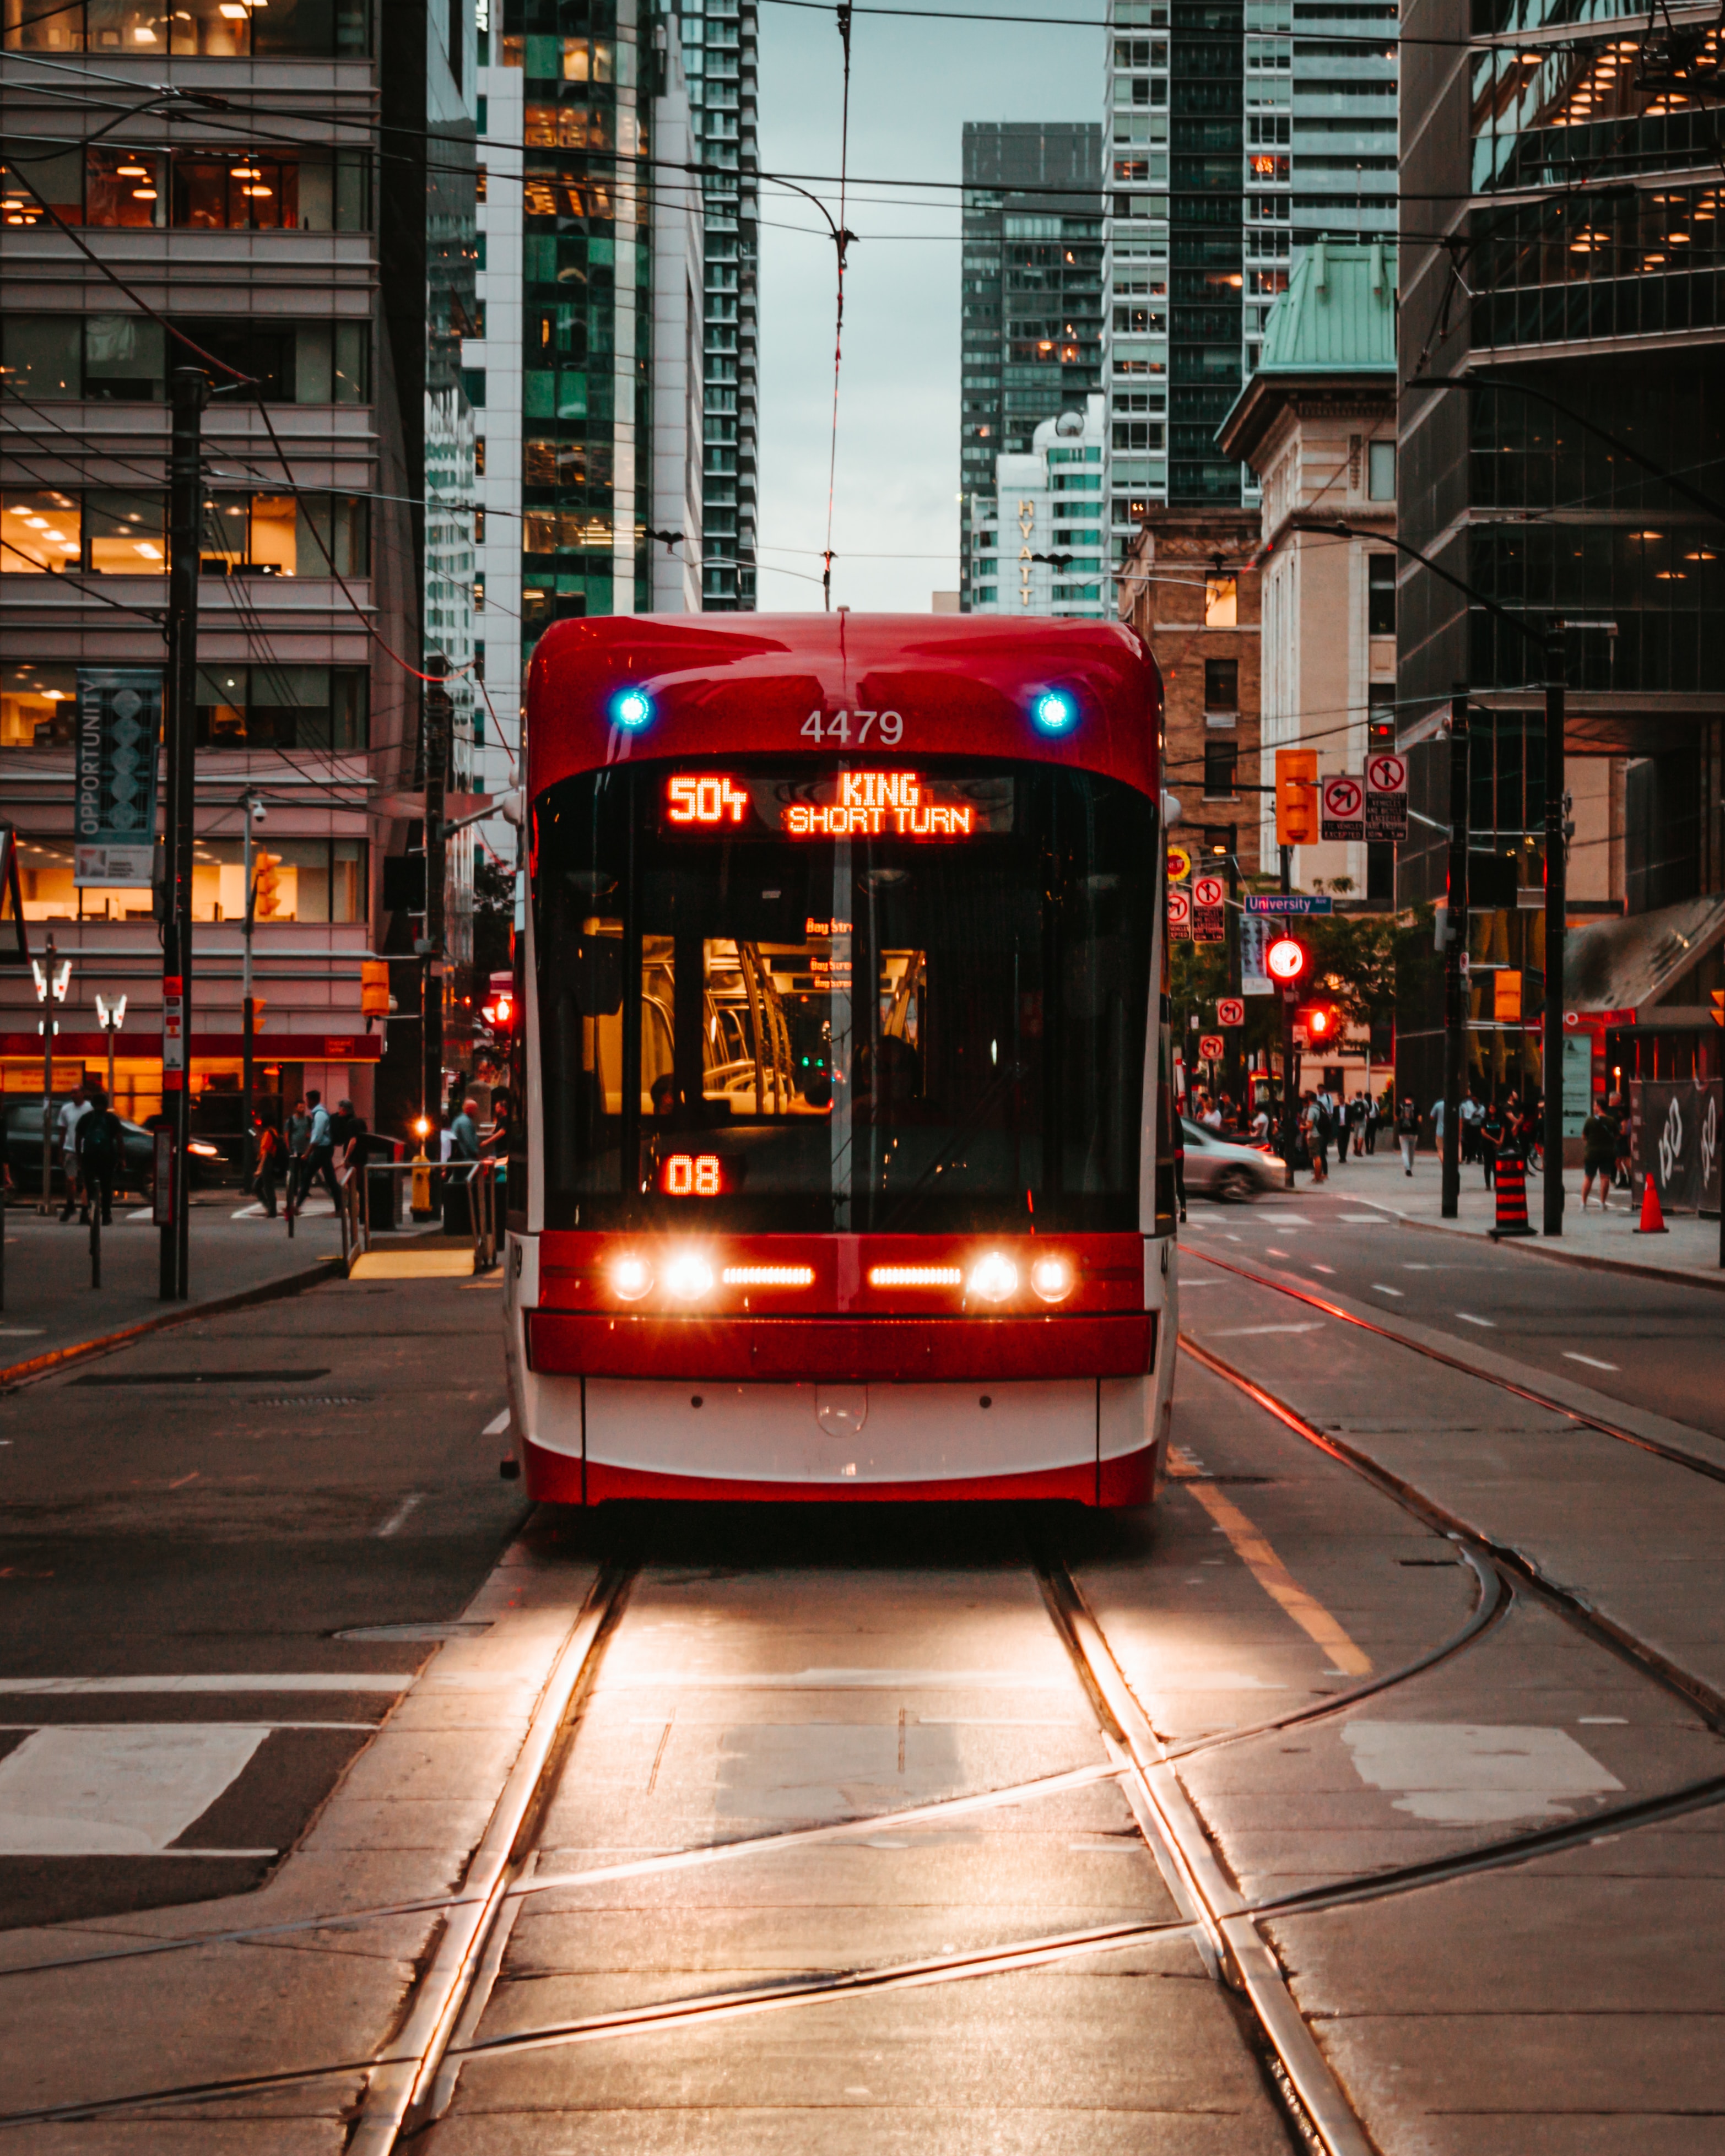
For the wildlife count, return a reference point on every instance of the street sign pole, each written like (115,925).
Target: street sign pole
(1556,906)
(1455,949)
(1290,1111)
(190,388)
(1233,1078)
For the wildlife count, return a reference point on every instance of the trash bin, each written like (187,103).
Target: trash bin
(458,1204)
(383,1199)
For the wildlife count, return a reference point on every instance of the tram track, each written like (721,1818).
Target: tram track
(411,2082)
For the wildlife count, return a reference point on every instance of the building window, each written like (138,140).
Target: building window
(212,29)
(1221,770)
(1221,685)
(1380,594)
(233,190)
(1380,471)
(1221,601)
(283,707)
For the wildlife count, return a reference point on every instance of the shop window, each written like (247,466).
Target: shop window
(125,535)
(313,879)
(1380,594)
(125,358)
(283,707)
(40,531)
(40,357)
(1221,770)
(55,192)
(278,535)
(213,29)
(126,187)
(37,704)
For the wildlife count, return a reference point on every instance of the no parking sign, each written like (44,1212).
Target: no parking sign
(1344,809)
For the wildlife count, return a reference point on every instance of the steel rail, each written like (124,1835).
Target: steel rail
(1198,1881)
(1675,1454)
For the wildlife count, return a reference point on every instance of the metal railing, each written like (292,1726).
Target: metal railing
(479,1177)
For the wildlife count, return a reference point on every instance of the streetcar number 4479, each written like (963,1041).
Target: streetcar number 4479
(886,727)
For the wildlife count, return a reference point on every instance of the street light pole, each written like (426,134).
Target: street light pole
(248,1016)
(1556,908)
(1454,953)
(1234,1035)
(1289,1107)
(190,388)
(51,983)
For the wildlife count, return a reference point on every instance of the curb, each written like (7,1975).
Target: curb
(1713,1283)
(37,1366)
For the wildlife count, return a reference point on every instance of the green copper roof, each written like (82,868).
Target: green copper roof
(1338,315)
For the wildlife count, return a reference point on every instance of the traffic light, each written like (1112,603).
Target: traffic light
(266,885)
(1321,1025)
(498,1009)
(1296,797)
(374,987)
(1287,959)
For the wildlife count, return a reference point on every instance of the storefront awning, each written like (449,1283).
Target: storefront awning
(1627,963)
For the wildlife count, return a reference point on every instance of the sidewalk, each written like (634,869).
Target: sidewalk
(50,1306)
(1607,1238)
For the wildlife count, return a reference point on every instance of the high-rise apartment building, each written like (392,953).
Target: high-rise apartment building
(1240,130)
(325,288)
(1033,291)
(719,39)
(1037,544)
(1561,250)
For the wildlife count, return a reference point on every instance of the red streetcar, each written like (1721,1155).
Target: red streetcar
(838,1173)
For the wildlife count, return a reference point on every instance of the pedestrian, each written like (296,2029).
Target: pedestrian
(1261,1124)
(1211,1118)
(1494,1133)
(100,1141)
(299,1137)
(267,1154)
(1437,1122)
(1407,1132)
(1317,1136)
(71,1115)
(320,1152)
(1374,1117)
(1599,1152)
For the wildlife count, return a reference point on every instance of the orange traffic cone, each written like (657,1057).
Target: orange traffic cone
(1652,1220)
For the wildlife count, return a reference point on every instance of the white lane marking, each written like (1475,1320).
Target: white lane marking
(21,1332)
(1292,1220)
(1246,1331)
(147,1214)
(243,1680)
(1363,1219)
(117,1792)
(1271,1251)
(1613,1721)
(402,1513)
(1395,1292)
(1592,1362)
(1187,1286)
(1467,1317)
(496,1426)
(1471,1773)
(1414,1265)
(1317,1268)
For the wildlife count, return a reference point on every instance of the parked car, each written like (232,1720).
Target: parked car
(23,1124)
(1220,1168)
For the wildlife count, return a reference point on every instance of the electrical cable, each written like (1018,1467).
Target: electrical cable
(842,238)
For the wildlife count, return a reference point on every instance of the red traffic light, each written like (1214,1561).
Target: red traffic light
(1320,1024)
(1286,959)
(499,1012)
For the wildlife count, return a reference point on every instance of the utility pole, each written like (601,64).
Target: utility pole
(1556,908)
(1289,1106)
(184,493)
(438,728)
(1455,952)
(247,1014)
(1234,1035)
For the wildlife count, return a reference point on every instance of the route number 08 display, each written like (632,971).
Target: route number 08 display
(692,1175)
(886,727)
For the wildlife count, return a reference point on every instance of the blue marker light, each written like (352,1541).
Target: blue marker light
(632,709)
(1053,712)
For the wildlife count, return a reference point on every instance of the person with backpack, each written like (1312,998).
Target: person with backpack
(268,1153)
(100,1142)
(1407,1133)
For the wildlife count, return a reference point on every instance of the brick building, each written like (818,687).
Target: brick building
(1187,589)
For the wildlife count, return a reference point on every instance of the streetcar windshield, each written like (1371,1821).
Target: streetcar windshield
(845,998)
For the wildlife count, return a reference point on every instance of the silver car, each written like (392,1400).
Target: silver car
(1220,1168)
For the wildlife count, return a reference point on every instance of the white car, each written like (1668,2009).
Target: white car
(1220,1168)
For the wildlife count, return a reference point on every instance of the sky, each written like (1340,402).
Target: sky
(913,87)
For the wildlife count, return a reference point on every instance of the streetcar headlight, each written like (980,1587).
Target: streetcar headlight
(1052,1278)
(1054,712)
(688,1276)
(994,1277)
(632,709)
(631,1279)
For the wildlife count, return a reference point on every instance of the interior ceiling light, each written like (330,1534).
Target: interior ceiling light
(132,172)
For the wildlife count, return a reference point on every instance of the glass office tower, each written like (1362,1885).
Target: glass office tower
(1033,290)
